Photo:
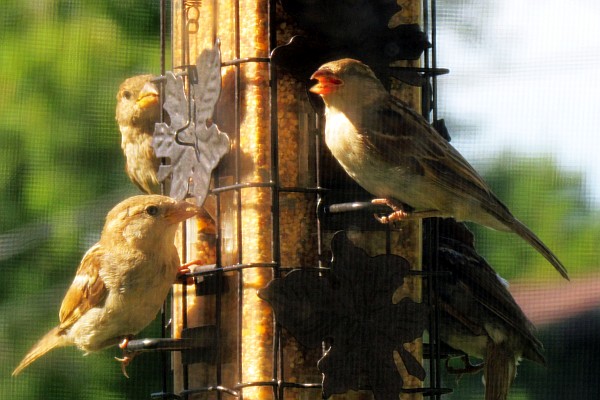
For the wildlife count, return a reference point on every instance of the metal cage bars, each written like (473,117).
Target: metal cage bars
(279,382)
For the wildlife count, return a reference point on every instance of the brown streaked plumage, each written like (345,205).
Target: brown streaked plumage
(122,280)
(137,111)
(392,152)
(478,315)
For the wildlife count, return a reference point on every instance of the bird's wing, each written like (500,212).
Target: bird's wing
(399,132)
(86,291)
(457,255)
(484,285)
(480,281)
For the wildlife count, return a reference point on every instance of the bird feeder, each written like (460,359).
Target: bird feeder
(243,137)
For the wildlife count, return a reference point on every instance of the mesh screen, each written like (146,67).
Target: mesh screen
(61,170)
(519,103)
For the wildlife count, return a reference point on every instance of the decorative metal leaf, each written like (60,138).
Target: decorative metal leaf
(351,308)
(207,89)
(378,38)
(370,37)
(175,101)
(302,302)
(192,143)
(164,142)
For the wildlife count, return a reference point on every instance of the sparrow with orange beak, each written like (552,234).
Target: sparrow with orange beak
(122,281)
(393,153)
(138,110)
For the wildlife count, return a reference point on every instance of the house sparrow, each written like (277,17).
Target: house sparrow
(478,314)
(138,109)
(122,280)
(393,153)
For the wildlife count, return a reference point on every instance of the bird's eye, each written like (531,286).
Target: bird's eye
(127,94)
(152,210)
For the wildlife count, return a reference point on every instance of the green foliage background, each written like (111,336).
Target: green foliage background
(61,170)
(554,204)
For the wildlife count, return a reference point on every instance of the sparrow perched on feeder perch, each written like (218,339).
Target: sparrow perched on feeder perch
(393,153)
(138,110)
(122,281)
(478,315)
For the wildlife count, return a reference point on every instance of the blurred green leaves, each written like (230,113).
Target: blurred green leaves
(61,68)
(61,170)
(553,203)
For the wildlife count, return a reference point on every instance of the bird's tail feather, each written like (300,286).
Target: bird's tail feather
(51,340)
(499,371)
(520,229)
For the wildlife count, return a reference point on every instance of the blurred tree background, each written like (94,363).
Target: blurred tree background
(61,170)
(554,203)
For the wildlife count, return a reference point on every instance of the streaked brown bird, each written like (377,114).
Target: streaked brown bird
(122,281)
(393,153)
(138,109)
(479,316)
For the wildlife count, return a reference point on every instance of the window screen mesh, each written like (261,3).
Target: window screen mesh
(61,170)
(520,103)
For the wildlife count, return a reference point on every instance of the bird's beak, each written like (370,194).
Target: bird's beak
(181,211)
(328,82)
(148,96)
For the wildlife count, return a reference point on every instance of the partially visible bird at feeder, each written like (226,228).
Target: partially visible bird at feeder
(138,109)
(122,281)
(393,153)
(478,315)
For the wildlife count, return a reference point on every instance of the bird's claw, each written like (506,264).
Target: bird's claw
(125,361)
(391,218)
(468,368)
(398,213)
(127,356)
(183,270)
(124,343)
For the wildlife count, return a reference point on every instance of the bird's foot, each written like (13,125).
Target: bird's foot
(128,356)
(125,361)
(468,367)
(399,213)
(124,343)
(183,270)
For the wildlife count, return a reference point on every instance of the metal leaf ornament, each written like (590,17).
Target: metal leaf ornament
(351,309)
(192,143)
